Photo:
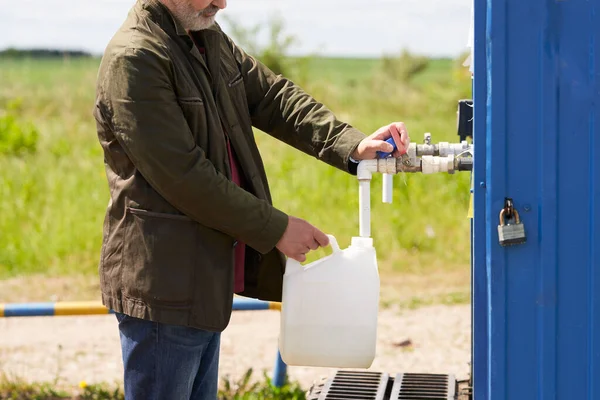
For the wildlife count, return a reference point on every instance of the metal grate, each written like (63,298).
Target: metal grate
(423,387)
(355,385)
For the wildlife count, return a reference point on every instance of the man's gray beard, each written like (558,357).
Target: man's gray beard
(191,19)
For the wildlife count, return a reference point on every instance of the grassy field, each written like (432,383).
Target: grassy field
(53,191)
(53,196)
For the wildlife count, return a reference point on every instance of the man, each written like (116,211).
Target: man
(190,220)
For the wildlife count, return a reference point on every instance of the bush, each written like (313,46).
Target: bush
(244,389)
(405,67)
(16,135)
(273,54)
(11,389)
(99,392)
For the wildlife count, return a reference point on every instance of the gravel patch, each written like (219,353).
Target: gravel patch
(68,350)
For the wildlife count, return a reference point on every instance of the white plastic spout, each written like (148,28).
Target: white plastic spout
(388,185)
(364,207)
(365,171)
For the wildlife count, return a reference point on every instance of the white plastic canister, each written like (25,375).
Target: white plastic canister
(329,308)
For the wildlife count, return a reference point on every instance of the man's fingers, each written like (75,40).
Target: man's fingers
(404,140)
(300,238)
(321,238)
(404,136)
(380,134)
(300,257)
(395,132)
(379,145)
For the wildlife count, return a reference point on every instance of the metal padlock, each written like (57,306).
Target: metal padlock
(511,234)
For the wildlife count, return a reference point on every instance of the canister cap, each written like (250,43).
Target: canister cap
(362,242)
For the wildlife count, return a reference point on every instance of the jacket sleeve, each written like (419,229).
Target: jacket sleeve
(152,129)
(282,109)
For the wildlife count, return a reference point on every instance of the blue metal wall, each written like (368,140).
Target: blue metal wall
(537,139)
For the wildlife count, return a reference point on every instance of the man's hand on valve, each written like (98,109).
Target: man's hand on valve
(368,148)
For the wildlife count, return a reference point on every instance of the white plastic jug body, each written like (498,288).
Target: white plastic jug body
(329,309)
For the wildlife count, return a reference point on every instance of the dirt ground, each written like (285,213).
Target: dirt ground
(68,350)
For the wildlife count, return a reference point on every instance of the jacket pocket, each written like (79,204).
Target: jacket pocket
(237,79)
(237,95)
(195,115)
(190,100)
(159,257)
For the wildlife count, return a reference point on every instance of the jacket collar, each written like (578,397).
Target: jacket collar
(209,37)
(163,16)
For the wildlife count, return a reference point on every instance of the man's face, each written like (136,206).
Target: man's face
(196,15)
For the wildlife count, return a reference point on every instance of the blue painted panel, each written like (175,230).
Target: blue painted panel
(523,84)
(578,336)
(546,205)
(479,289)
(542,100)
(496,33)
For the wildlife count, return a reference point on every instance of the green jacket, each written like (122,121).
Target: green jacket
(174,215)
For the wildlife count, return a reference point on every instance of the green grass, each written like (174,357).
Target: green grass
(243,389)
(341,71)
(53,201)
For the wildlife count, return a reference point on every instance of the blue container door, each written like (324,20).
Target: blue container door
(536,306)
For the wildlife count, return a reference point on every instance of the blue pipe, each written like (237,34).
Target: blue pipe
(27,310)
(250,305)
(87,308)
(279,371)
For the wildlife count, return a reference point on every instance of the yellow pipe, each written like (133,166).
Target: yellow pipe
(274,306)
(80,308)
(1,310)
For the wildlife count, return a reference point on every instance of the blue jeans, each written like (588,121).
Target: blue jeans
(168,361)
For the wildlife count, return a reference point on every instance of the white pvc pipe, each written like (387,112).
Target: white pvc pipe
(366,168)
(364,174)
(388,185)
(364,210)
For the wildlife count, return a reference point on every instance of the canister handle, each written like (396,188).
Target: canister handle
(293,265)
(333,243)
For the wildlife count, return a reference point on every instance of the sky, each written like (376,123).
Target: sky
(360,28)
